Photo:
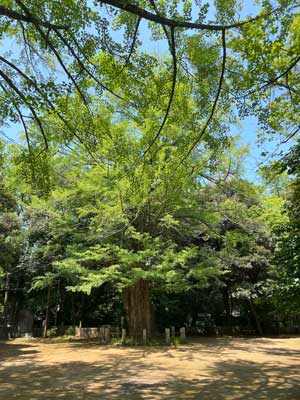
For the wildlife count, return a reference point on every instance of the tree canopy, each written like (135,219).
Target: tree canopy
(88,48)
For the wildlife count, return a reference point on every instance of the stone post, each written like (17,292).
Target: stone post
(173,331)
(182,333)
(117,332)
(167,332)
(80,329)
(123,338)
(106,335)
(144,335)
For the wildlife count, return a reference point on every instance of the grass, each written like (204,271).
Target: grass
(158,341)
(129,341)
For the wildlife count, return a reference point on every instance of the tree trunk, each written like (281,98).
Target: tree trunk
(73,310)
(5,305)
(256,319)
(47,313)
(62,310)
(227,306)
(140,313)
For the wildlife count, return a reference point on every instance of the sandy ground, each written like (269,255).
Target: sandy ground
(210,368)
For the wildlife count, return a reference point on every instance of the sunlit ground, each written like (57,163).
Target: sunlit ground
(222,368)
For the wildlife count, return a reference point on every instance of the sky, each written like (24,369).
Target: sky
(247,130)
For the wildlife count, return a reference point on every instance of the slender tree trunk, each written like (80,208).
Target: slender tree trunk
(256,319)
(15,309)
(47,312)
(14,315)
(5,305)
(72,310)
(227,306)
(81,307)
(62,310)
(57,307)
(140,313)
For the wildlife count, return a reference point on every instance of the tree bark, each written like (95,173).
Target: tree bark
(140,313)
(5,305)
(227,306)
(73,310)
(256,319)
(47,312)
(62,309)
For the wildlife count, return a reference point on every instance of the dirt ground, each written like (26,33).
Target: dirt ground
(210,368)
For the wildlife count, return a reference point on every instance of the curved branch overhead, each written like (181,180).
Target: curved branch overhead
(74,47)
(45,36)
(132,47)
(174,79)
(21,96)
(143,13)
(215,103)
(6,12)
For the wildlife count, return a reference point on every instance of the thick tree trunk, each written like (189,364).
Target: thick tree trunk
(140,313)
(256,319)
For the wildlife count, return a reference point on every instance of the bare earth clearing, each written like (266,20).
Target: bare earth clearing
(222,368)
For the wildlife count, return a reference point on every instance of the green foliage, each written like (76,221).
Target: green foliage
(159,341)
(105,188)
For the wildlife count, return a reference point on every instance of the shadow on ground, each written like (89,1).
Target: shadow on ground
(131,377)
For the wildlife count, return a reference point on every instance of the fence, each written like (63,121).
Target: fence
(103,333)
(106,332)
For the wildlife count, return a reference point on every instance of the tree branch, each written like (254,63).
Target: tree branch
(21,95)
(152,2)
(173,51)
(135,34)
(49,103)
(6,12)
(214,104)
(83,67)
(141,12)
(276,79)
(54,50)
(291,135)
(21,118)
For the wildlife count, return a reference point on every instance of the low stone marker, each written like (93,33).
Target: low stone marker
(106,335)
(117,332)
(173,331)
(182,333)
(167,332)
(144,335)
(123,337)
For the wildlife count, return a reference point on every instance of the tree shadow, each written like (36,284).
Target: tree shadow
(78,380)
(131,375)
(12,351)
